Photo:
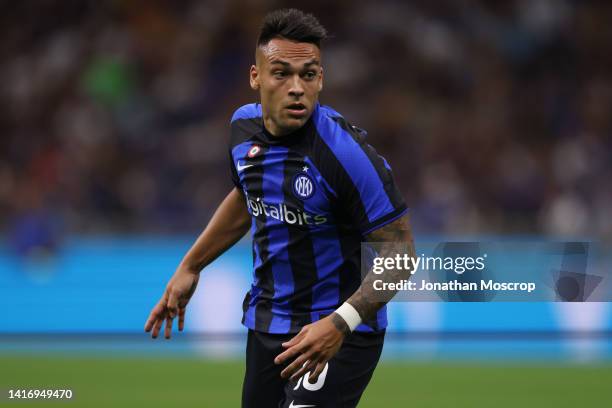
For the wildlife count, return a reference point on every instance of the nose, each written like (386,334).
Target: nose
(295,88)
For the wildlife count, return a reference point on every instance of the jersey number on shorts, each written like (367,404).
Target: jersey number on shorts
(316,386)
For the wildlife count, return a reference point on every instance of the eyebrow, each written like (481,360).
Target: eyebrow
(286,64)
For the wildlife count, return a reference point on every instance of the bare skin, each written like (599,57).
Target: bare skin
(287,73)
(229,223)
(318,342)
(289,77)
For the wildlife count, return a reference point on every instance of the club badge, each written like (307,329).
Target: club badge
(303,186)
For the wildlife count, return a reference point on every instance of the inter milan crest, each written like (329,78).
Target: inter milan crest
(253,151)
(303,186)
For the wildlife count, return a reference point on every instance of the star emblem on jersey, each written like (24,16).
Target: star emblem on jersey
(292,405)
(303,186)
(254,151)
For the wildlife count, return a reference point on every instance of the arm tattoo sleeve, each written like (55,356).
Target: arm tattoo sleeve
(397,237)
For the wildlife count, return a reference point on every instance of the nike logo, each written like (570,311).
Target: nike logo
(300,406)
(246,166)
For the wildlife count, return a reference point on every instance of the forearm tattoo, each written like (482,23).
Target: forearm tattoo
(398,232)
(340,324)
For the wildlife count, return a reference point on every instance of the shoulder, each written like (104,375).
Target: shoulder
(246,122)
(246,112)
(337,133)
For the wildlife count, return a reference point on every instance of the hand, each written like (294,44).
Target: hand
(314,346)
(179,290)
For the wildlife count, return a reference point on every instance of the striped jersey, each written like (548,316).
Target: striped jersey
(313,195)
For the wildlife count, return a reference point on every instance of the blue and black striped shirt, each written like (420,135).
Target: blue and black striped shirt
(313,195)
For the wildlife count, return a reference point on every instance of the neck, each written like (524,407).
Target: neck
(273,129)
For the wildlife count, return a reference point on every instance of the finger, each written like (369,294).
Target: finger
(314,375)
(168,330)
(157,326)
(153,316)
(288,354)
(181,322)
(306,367)
(150,323)
(172,304)
(296,365)
(294,340)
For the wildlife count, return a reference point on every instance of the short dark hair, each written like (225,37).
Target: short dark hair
(292,24)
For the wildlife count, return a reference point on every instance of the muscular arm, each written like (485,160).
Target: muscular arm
(398,237)
(228,224)
(316,343)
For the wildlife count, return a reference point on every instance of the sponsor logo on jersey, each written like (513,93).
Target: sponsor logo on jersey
(241,167)
(283,213)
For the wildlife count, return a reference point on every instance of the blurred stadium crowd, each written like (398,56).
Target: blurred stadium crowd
(496,116)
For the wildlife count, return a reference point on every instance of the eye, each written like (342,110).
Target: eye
(278,74)
(310,75)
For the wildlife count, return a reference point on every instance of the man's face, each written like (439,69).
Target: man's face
(289,78)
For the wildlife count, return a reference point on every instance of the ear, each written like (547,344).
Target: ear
(321,79)
(254,78)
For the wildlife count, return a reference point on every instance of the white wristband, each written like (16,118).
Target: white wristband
(350,315)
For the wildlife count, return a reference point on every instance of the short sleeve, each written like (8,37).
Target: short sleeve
(366,194)
(233,172)
(245,121)
(374,199)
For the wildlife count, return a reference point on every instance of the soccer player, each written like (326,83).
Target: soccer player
(311,190)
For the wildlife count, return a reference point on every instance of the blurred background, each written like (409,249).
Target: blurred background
(495,116)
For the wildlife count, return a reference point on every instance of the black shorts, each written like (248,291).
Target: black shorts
(340,385)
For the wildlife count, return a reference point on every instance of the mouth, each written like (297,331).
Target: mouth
(296,109)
